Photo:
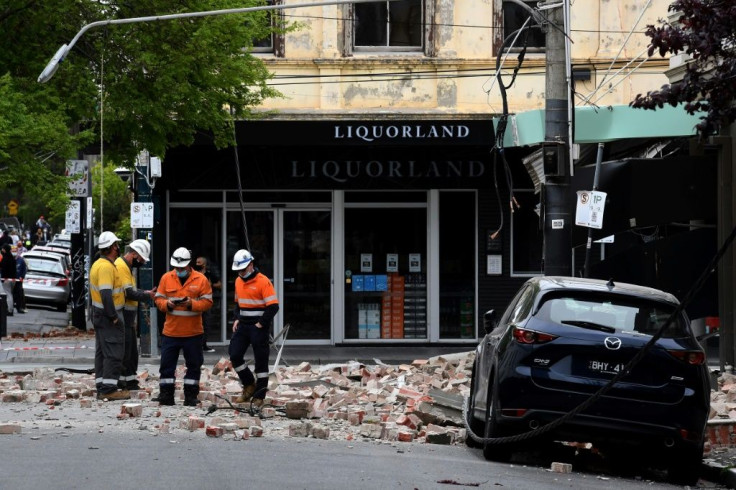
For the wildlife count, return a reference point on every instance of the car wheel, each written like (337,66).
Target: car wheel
(684,466)
(475,425)
(61,307)
(494,452)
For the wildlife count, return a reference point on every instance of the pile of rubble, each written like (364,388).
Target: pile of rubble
(56,333)
(418,402)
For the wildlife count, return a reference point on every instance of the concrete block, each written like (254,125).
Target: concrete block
(132,409)
(10,429)
(214,431)
(561,468)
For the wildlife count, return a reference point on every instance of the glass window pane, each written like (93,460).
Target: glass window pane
(385,273)
(457,265)
(370,24)
(405,26)
(514,17)
(527,238)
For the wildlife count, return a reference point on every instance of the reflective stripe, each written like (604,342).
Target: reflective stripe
(184,313)
(254,302)
(191,381)
(262,375)
(239,368)
(100,288)
(106,381)
(251,312)
(160,295)
(166,381)
(128,378)
(268,299)
(98,305)
(98,380)
(131,307)
(205,296)
(118,290)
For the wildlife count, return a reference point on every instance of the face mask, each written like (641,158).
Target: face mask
(243,274)
(197,267)
(182,274)
(136,263)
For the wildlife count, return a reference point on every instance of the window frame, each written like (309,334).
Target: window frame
(277,39)
(428,47)
(500,33)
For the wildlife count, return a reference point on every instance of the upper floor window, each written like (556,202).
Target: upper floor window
(514,17)
(389,26)
(272,41)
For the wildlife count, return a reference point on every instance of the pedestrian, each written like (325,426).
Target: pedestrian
(5,238)
(256,305)
(108,298)
(183,294)
(202,265)
(136,254)
(19,296)
(8,273)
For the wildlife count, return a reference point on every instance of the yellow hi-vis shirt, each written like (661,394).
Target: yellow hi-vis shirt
(104,275)
(127,280)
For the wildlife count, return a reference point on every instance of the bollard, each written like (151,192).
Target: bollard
(3,315)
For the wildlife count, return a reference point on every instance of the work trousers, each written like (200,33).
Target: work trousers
(193,359)
(19,297)
(245,336)
(109,351)
(130,356)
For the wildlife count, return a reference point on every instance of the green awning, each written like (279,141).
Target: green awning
(602,124)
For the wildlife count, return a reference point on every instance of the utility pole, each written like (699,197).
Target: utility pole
(557,255)
(147,315)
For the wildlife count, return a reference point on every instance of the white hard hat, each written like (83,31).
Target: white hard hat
(181,257)
(241,259)
(107,238)
(142,247)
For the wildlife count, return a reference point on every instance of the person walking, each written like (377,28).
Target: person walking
(19,296)
(256,304)
(136,254)
(8,273)
(183,294)
(202,265)
(107,297)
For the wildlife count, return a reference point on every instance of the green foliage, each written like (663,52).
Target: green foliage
(163,82)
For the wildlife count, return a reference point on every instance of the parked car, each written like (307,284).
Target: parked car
(47,280)
(62,240)
(560,340)
(63,252)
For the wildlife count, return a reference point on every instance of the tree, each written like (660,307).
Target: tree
(161,83)
(706,31)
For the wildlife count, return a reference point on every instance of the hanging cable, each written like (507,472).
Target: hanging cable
(102,153)
(240,185)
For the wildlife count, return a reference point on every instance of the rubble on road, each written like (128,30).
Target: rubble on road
(417,402)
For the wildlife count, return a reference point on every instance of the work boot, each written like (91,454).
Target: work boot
(165,395)
(247,393)
(115,395)
(190,395)
(132,386)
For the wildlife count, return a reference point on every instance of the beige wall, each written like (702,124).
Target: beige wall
(463,41)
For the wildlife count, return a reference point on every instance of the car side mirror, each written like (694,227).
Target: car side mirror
(489,320)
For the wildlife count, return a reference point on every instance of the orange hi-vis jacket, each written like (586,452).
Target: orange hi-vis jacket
(181,321)
(253,296)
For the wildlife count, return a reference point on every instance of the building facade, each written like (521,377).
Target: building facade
(370,192)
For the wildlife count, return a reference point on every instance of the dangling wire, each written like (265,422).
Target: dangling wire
(240,186)
(102,153)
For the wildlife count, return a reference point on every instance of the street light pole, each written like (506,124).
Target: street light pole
(61,53)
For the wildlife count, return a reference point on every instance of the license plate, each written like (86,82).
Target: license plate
(606,367)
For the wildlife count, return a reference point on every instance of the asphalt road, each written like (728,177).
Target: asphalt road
(72,458)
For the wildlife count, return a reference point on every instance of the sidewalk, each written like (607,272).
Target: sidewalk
(80,349)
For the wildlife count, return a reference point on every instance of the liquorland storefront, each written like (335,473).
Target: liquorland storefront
(372,232)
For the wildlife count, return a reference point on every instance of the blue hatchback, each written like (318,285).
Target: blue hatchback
(563,338)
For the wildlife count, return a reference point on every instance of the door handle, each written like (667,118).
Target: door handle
(289,279)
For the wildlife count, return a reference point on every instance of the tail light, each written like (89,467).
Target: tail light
(693,357)
(514,412)
(525,336)
(63,282)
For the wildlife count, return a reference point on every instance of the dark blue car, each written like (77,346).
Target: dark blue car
(563,338)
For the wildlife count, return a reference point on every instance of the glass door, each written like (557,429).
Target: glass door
(306,283)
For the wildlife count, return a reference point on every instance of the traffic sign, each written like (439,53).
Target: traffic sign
(590,207)
(141,215)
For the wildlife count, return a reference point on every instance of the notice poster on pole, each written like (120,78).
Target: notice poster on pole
(78,171)
(590,207)
(141,215)
(392,262)
(415,262)
(366,262)
(73,222)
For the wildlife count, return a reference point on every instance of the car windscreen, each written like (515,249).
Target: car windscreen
(611,313)
(45,266)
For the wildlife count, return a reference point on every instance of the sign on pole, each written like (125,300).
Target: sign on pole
(78,170)
(141,215)
(590,206)
(73,219)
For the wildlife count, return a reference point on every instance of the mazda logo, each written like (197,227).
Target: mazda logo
(612,343)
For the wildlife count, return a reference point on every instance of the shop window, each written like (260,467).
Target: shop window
(526,235)
(514,17)
(457,265)
(396,25)
(385,273)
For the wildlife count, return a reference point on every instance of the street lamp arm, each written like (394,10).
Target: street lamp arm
(53,65)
